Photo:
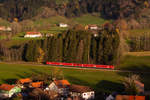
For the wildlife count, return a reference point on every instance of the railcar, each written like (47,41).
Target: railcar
(81,65)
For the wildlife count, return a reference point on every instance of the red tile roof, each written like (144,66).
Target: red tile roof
(6,87)
(79,88)
(62,83)
(32,33)
(128,97)
(37,84)
(26,80)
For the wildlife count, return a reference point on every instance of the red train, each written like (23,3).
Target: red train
(81,65)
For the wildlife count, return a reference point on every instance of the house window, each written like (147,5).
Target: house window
(92,93)
(84,94)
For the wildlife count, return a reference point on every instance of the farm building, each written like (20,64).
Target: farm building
(63,25)
(91,27)
(33,34)
(6,91)
(84,92)
(59,86)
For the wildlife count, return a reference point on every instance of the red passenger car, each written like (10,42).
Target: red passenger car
(81,65)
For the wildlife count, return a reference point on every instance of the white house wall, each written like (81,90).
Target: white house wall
(88,95)
(33,36)
(53,87)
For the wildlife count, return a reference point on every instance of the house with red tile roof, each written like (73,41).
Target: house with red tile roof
(129,97)
(59,86)
(33,34)
(6,90)
(83,92)
(140,86)
(36,84)
(91,27)
(24,82)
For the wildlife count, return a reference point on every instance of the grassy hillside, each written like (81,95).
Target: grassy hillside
(135,63)
(138,32)
(4,22)
(89,19)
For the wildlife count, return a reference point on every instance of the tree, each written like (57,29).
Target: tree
(41,55)
(16,27)
(130,86)
(57,74)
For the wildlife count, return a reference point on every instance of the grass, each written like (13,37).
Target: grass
(61,1)
(135,63)
(138,32)
(54,30)
(4,22)
(144,53)
(89,19)
(2,37)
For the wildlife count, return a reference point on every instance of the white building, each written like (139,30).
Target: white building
(84,92)
(4,28)
(63,25)
(7,91)
(33,34)
(93,27)
(59,86)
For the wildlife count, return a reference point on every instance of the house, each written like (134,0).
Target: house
(140,86)
(4,28)
(49,35)
(24,82)
(8,29)
(63,25)
(7,91)
(33,34)
(129,97)
(91,27)
(84,92)
(59,86)
(36,84)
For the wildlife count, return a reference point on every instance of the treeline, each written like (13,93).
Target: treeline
(73,46)
(112,9)
(139,42)
(78,47)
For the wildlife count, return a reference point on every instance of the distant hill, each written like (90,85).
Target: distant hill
(108,9)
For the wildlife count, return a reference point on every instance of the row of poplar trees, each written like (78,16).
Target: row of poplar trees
(76,46)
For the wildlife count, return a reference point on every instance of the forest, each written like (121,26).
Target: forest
(109,9)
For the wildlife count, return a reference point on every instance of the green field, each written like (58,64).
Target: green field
(89,19)
(135,63)
(100,80)
(96,79)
